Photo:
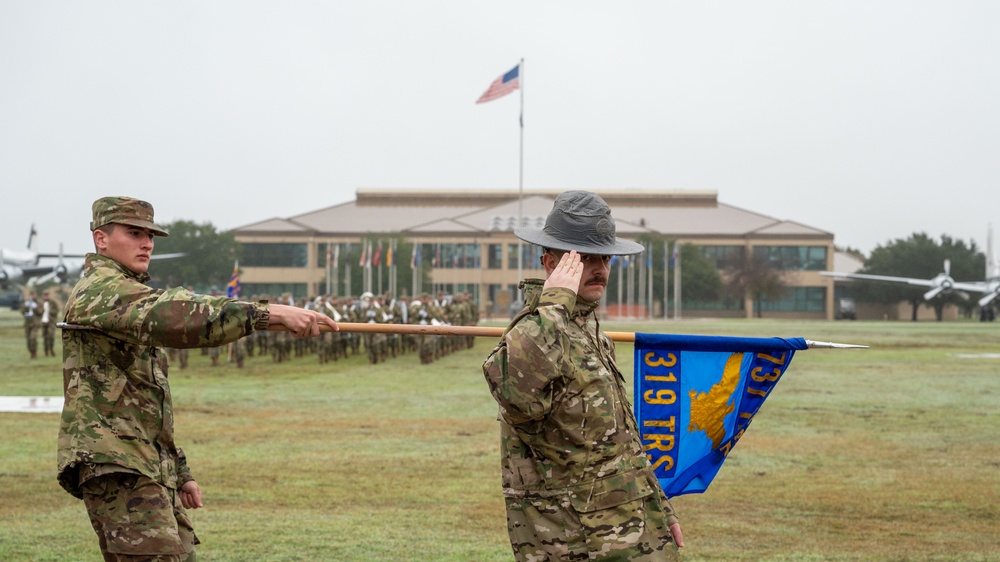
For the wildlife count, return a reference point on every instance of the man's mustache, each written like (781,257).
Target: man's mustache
(597,279)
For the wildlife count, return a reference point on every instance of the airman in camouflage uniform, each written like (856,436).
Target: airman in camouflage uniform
(116,439)
(49,312)
(31,312)
(576,481)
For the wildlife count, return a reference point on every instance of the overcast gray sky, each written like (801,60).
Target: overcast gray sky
(869,119)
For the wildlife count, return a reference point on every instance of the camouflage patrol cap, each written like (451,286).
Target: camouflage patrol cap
(124,210)
(581,221)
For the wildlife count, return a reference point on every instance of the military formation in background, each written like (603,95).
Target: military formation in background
(442,310)
(40,317)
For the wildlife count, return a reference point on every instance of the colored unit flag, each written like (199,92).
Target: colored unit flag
(377,258)
(388,255)
(233,287)
(502,86)
(364,256)
(695,397)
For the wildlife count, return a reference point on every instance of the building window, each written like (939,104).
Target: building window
(275,255)
(793,258)
(458,256)
(798,299)
(531,259)
(722,256)
(494,256)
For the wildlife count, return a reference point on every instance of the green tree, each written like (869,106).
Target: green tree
(920,257)
(700,280)
(753,275)
(208,257)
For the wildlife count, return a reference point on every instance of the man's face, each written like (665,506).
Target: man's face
(131,246)
(595,274)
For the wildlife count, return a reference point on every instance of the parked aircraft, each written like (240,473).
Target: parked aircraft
(24,266)
(943,282)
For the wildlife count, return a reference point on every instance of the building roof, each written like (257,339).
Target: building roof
(470,211)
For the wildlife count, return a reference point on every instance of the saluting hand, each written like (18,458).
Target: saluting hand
(567,273)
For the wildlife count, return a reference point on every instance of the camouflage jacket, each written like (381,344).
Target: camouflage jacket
(567,428)
(118,409)
(32,312)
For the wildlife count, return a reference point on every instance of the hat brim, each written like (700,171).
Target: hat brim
(143,224)
(539,237)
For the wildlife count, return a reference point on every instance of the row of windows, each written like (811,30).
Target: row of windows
(795,299)
(793,258)
(467,256)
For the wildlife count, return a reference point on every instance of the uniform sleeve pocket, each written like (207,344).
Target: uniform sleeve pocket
(610,492)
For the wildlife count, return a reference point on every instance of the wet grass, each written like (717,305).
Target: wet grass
(889,453)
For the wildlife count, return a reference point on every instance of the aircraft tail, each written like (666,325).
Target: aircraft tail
(32,240)
(992,265)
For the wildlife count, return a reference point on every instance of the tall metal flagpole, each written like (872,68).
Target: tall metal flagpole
(520,173)
(666,277)
(677,279)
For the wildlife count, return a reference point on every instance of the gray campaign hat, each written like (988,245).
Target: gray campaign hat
(581,221)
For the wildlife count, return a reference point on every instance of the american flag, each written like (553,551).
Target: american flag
(502,86)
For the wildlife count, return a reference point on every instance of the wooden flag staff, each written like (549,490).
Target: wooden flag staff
(447,330)
(497,331)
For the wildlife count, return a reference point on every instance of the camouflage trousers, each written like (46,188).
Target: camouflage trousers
(49,338)
(31,337)
(138,519)
(553,529)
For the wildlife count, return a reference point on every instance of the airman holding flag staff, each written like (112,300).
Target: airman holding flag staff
(116,441)
(576,481)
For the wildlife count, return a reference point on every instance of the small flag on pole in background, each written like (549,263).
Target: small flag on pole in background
(505,84)
(695,397)
(377,258)
(233,287)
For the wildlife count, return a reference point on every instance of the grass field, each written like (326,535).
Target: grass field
(891,453)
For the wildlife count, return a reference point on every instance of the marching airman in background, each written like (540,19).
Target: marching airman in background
(32,319)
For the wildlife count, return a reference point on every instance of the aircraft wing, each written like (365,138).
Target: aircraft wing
(35,271)
(972,287)
(907,280)
(967,286)
(60,256)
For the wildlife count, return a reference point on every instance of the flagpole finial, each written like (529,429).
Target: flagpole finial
(832,345)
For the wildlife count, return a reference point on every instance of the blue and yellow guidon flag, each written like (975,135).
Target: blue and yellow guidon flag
(696,395)
(233,287)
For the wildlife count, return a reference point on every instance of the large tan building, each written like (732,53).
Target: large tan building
(462,241)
